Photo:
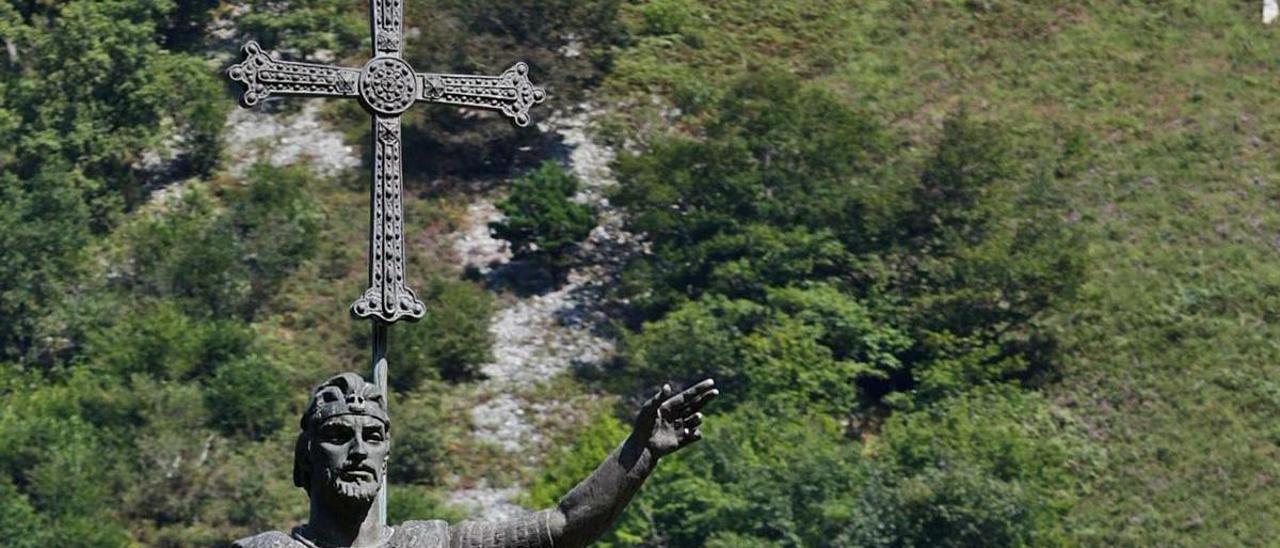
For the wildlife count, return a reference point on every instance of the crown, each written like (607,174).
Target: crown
(345,394)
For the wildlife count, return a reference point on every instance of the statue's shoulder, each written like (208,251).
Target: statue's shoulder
(421,534)
(270,539)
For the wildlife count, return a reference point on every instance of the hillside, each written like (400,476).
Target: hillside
(1164,115)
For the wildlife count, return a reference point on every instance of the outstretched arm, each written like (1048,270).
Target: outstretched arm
(665,424)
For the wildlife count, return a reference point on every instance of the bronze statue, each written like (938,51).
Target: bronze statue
(340,459)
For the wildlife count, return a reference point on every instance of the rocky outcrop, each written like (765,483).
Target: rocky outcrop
(551,331)
(260,134)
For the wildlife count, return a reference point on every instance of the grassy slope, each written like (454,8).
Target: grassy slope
(1165,115)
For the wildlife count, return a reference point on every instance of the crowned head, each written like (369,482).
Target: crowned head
(341,453)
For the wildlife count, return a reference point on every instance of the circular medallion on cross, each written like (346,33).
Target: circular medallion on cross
(388,85)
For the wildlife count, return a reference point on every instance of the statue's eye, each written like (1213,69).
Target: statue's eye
(335,433)
(374,434)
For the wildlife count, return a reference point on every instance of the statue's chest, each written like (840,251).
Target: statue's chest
(420,534)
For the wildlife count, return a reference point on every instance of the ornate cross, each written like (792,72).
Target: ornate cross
(387,86)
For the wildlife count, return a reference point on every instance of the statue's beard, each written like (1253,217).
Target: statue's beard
(352,491)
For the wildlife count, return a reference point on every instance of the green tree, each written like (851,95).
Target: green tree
(87,95)
(990,467)
(19,523)
(43,232)
(161,341)
(406,502)
(247,397)
(568,45)
(765,199)
(276,221)
(786,188)
(93,92)
(63,466)
(542,220)
(577,460)
(804,348)
(185,26)
(422,448)
(187,251)
(981,256)
(759,478)
(305,25)
(225,258)
(450,343)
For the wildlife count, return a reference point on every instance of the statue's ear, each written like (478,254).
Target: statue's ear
(302,461)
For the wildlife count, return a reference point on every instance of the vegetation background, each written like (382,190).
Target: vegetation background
(971,273)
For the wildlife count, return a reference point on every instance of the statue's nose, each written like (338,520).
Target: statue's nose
(360,449)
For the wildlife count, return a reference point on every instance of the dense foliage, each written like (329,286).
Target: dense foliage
(782,268)
(451,343)
(824,279)
(541,219)
(76,155)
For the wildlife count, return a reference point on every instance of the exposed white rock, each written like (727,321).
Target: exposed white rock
(588,159)
(259,134)
(478,248)
(501,420)
(488,503)
(1270,10)
(572,47)
(541,336)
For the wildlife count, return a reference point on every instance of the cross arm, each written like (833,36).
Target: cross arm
(264,76)
(510,93)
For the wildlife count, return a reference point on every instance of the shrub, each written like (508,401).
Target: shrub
(227,263)
(189,252)
(247,397)
(421,438)
(407,502)
(568,45)
(784,479)
(43,231)
(766,198)
(783,192)
(306,25)
(19,523)
(450,343)
(542,220)
(806,348)
(95,92)
(990,467)
(159,340)
(276,221)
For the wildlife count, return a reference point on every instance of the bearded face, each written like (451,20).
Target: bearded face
(348,458)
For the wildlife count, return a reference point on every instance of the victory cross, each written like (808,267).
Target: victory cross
(342,449)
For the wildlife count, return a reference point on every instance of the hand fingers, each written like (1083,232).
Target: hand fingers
(696,404)
(660,396)
(693,421)
(690,436)
(703,386)
(689,394)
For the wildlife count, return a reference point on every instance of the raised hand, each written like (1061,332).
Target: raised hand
(667,423)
